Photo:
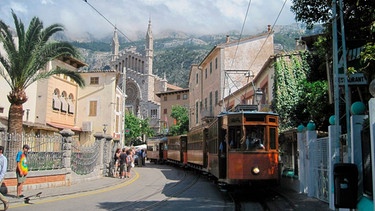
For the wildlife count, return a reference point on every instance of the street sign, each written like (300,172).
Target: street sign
(353,79)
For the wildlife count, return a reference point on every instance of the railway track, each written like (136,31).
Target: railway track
(262,199)
(162,194)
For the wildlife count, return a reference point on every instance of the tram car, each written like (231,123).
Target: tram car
(157,149)
(177,150)
(197,156)
(243,147)
(239,147)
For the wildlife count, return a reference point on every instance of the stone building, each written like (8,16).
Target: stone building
(141,84)
(226,68)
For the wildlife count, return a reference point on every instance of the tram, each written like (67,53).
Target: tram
(157,149)
(238,147)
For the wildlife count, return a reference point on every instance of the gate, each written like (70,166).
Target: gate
(319,167)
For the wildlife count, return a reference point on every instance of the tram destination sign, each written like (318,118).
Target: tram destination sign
(353,79)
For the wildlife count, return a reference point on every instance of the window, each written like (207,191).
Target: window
(196,78)
(93,108)
(154,113)
(165,98)
(56,104)
(205,103)
(1,109)
(210,103)
(178,97)
(216,97)
(165,111)
(94,80)
(184,96)
(117,104)
(64,104)
(196,112)
(216,63)
(205,73)
(70,104)
(211,67)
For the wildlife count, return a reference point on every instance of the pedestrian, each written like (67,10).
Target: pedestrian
(3,170)
(144,154)
(139,158)
(129,162)
(116,161)
(22,169)
(123,165)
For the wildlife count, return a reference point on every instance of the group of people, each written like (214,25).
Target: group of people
(124,160)
(21,171)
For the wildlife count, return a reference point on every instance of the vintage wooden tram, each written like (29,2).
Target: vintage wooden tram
(177,150)
(239,147)
(157,149)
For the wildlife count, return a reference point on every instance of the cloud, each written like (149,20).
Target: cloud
(191,16)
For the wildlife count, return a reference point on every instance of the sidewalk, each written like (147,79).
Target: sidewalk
(301,201)
(81,187)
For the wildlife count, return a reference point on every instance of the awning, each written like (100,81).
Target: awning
(39,126)
(62,126)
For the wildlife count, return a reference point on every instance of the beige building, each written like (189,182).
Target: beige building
(100,105)
(51,104)
(226,69)
(169,99)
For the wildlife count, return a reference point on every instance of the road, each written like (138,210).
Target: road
(155,187)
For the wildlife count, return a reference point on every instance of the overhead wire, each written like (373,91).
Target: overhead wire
(235,53)
(108,21)
(271,30)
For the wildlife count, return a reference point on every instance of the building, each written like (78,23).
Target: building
(141,84)
(51,104)
(100,105)
(171,98)
(225,69)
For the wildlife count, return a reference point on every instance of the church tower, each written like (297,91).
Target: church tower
(149,48)
(115,46)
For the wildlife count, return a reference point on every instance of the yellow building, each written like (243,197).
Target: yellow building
(226,69)
(169,99)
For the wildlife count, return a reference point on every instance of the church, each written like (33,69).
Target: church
(141,84)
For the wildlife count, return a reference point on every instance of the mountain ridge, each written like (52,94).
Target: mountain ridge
(191,49)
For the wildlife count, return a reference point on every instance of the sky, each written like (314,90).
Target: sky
(131,17)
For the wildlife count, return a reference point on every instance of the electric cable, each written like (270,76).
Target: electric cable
(109,21)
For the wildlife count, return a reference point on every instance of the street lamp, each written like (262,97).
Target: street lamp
(258,95)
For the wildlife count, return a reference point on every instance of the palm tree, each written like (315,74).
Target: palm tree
(24,60)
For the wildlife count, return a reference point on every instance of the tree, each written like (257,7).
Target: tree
(137,128)
(359,24)
(181,115)
(23,62)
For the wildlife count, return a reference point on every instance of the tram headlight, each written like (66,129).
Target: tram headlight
(255,170)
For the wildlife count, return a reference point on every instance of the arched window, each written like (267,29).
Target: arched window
(64,104)
(55,100)
(70,101)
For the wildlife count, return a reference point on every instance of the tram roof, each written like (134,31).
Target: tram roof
(247,112)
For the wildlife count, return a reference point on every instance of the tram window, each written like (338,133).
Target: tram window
(254,138)
(272,138)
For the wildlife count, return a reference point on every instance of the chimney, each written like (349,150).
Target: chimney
(268,28)
(227,40)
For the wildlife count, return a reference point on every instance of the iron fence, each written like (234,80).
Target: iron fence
(47,152)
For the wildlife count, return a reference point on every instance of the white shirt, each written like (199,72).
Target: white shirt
(3,166)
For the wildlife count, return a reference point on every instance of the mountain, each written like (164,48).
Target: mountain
(175,52)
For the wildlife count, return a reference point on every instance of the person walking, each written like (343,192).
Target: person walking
(123,165)
(116,161)
(3,170)
(22,169)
